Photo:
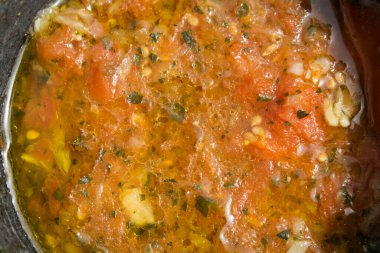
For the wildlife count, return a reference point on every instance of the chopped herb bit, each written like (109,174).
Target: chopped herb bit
(187,37)
(161,80)
(153,57)
(43,76)
(139,231)
(302,114)
(85,180)
(226,23)
(85,194)
(148,179)
(287,123)
(202,204)
(108,168)
(120,185)
(107,43)
(177,112)
(319,90)
(285,234)
(135,98)
(150,226)
(120,153)
(113,214)
(58,194)
(264,242)
(228,39)
(264,98)
(243,10)
(155,37)
(174,202)
(298,91)
(170,180)
(184,206)
(78,143)
(197,9)
(137,59)
(229,185)
(246,35)
(333,155)
(142,197)
(129,224)
(245,211)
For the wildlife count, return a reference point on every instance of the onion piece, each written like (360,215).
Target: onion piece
(296,68)
(299,247)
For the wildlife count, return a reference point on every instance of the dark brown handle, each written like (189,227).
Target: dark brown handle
(360,22)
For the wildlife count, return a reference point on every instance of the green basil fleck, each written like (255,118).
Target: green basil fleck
(302,114)
(177,112)
(155,36)
(58,194)
(135,98)
(202,204)
(243,10)
(85,180)
(284,235)
(187,37)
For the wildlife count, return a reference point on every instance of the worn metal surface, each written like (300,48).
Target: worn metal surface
(15,18)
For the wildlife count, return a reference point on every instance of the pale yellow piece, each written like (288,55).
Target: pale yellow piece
(138,176)
(145,51)
(199,241)
(51,241)
(32,135)
(193,20)
(147,71)
(322,157)
(139,119)
(80,214)
(256,120)
(249,138)
(340,77)
(339,107)
(112,22)
(71,248)
(30,159)
(259,131)
(60,151)
(167,163)
(139,211)
(232,28)
(271,49)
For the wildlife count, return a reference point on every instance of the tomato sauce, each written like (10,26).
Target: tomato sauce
(187,126)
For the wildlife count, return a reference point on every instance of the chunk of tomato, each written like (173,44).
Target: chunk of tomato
(59,48)
(105,73)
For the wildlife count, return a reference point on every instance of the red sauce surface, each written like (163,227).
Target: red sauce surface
(187,126)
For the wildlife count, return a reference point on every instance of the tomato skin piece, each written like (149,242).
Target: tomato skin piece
(58,47)
(330,203)
(101,74)
(286,129)
(245,64)
(41,112)
(295,96)
(51,185)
